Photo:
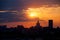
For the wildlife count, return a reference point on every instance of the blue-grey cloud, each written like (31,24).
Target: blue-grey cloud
(8,17)
(10,4)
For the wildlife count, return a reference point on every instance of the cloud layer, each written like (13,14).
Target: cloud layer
(19,5)
(16,4)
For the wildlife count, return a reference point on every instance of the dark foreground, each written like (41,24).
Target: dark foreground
(33,33)
(42,35)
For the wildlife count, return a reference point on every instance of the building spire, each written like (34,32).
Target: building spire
(38,24)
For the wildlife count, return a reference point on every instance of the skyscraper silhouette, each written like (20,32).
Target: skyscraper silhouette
(50,24)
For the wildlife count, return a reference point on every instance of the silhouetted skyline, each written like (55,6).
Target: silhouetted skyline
(19,32)
(37,25)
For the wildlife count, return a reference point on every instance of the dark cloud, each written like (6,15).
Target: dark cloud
(8,17)
(10,4)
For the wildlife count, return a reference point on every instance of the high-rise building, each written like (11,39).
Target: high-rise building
(50,24)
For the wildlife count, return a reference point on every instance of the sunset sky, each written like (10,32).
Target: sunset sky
(27,12)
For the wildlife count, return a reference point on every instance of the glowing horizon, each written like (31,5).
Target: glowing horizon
(43,13)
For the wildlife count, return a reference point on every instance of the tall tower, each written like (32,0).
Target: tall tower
(50,24)
(38,24)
